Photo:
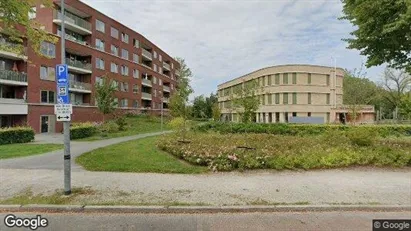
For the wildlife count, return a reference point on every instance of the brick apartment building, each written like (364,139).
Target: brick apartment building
(296,93)
(95,45)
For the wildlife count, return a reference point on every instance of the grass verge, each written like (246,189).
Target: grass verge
(140,155)
(21,150)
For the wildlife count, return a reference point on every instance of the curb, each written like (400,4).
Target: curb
(200,209)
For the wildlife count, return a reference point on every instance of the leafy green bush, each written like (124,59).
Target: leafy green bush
(16,135)
(121,123)
(361,136)
(109,127)
(82,130)
(301,129)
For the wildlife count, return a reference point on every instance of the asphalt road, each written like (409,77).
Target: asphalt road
(219,221)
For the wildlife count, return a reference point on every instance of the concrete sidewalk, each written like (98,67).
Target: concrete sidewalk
(366,186)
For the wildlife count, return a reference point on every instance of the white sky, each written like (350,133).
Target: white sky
(224,39)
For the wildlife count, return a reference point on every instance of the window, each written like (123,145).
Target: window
(48,97)
(328,80)
(155,93)
(328,117)
(285,78)
(154,80)
(294,78)
(294,98)
(135,58)
(115,84)
(270,99)
(269,79)
(124,37)
(99,81)
(47,73)
(135,104)
(277,79)
(48,49)
(124,87)
(263,99)
(100,26)
(99,63)
(328,99)
(124,53)
(114,50)
(124,70)
(286,117)
(277,98)
(172,65)
(136,73)
(155,54)
(160,82)
(309,98)
(159,69)
(309,114)
(32,13)
(309,78)
(154,67)
(136,43)
(135,88)
(114,32)
(115,100)
(160,57)
(114,68)
(285,98)
(100,44)
(294,114)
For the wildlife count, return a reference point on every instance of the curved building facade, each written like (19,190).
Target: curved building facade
(294,93)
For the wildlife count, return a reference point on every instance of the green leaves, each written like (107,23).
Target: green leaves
(104,94)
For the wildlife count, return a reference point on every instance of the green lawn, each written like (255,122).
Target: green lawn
(135,125)
(135,156)
(20,150)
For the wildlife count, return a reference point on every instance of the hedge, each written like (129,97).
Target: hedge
(16,135)
(302,129)
(82,130)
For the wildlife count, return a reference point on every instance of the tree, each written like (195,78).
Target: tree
(210,102)
(199,107)
(383,31)
(179,99)
(16,24)
(216,112)
(104,94)
(245,100)
(396,84)
(405,106)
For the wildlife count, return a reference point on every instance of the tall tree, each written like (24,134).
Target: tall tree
(104,96)
(405,106)
(396,83)
(382,32)
(210,102)
(199,107)
(216,112)
(245,100)
(15,14)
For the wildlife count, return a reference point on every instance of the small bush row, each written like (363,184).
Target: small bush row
(82,130)
(16,135)
(302,129)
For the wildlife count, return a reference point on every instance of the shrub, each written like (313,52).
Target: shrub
(109,127)
(361,136)
(121,123)
(16,135)
(82,130)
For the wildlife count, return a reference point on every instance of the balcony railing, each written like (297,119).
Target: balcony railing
(147,54)
(80,85)
(71,18)
(12,47)
(79,64)
(72,38)
(146,95)
(147,81)
(166,66)
(13,76)
(166,88)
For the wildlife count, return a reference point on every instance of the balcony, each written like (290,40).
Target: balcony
(166,66)
(13,78)
(77,66)
(177,72)
(147,54)
(72,22)
(166,88)
(146,82)
(80,87)
(13,106)
(146,96)
(12,51)
(72,38)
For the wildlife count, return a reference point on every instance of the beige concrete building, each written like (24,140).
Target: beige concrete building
(295,93)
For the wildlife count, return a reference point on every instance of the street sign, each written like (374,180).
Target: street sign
(63,109)
(62,84)
(63,117)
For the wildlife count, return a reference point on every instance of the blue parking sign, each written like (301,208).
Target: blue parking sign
(62,79)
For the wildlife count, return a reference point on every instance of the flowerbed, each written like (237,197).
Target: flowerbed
(266,151)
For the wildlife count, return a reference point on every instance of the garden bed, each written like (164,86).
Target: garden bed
(225,152)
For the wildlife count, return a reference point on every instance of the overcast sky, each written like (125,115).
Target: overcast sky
(224,39)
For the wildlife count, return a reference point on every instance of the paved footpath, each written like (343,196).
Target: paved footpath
(54,160)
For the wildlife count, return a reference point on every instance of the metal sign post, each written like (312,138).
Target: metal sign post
(63,109)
